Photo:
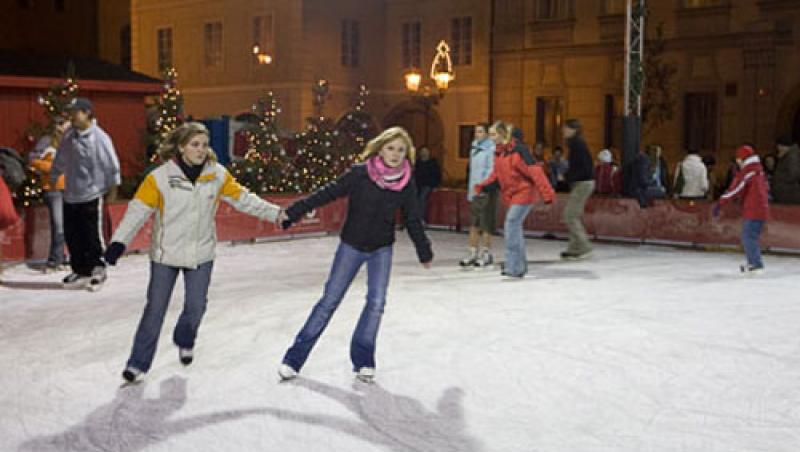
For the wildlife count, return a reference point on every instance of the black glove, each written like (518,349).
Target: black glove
(285,224)
(113,252)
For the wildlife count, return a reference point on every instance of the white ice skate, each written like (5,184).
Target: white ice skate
(485,261)
(97,279)
(186,355)
(286,372)
(469,260)
(75,281)
(132,374)
(366,374)
(749,270)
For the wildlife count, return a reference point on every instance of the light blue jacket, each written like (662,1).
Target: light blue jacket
(481,164)
(89,164)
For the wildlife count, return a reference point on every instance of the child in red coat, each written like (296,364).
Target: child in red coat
(750,185)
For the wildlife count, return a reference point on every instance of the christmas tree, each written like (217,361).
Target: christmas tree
(54,102)
(315,161)
(355,128)
(170,110)
(263,168)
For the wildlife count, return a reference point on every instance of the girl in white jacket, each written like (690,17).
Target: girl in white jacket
(184,194)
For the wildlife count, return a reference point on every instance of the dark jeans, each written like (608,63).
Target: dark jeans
(346,265)
(159,292)
(751,232)
(55,206)
(83,226)
(422,201)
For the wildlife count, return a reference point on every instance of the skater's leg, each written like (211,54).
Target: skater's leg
(55,207)
(515,240)
(196,282)
(751,232)
(159,290)
(362,346)
(473,236)
(573,217)
(345,266)
(73,225)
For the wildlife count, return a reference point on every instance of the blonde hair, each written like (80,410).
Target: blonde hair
(181,136)
(392,133)
(503,129)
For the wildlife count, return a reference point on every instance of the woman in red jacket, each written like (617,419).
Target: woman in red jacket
(522,183)
(750,184)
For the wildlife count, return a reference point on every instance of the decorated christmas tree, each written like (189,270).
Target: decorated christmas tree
(263,168)
(54,102)
(169,109)
(315,161)
(355,129)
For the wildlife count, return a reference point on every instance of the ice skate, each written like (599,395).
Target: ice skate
(366,374)
(132,374)
(485,261)
(469,260)
(75,281)
(749,270)
(97,279)
(286,372)
(186,355)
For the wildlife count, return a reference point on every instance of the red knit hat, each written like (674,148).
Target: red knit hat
(743,152)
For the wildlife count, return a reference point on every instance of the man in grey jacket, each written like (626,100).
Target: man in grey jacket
(90,166)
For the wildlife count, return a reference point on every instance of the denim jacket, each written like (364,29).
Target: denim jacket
(481,164)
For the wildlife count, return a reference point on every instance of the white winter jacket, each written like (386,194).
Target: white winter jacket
(184,230)
(695,177)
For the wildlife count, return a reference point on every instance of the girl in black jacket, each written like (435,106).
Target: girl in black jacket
(376,189)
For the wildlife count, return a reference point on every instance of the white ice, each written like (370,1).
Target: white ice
(639,349)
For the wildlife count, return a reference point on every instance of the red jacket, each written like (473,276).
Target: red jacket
(608,179)
(521,180)
(750,184)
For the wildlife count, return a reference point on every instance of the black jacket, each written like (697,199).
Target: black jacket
(427,173)
(371,211)
(581,167)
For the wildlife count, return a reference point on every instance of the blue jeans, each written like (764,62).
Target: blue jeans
(346,265)
(55,206)
(751,231)
(422,201)
(159,291)
(516,259)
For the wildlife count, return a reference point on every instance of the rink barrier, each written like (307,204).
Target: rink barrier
(667,222)
(29,239)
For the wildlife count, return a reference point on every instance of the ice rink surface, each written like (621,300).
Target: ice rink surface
(639,349)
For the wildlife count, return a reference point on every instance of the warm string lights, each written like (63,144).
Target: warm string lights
(170,106)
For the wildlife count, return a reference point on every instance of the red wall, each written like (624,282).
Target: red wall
(119,108)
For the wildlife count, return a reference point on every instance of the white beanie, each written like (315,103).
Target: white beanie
(605,156)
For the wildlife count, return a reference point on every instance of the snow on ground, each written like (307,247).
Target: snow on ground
(639,349)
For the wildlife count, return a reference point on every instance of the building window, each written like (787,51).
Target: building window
(549,120)
(164,49)
(212,37)
(263,33)
(350,43)
(461,41)
(553,9)
(700,121)
(703,3)
(60,5)
(125,46)
(466,133)
(412,34)
(613,7)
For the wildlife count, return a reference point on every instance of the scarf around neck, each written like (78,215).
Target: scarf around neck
(394,179)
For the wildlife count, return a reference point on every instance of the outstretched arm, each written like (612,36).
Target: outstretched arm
(244,201)
(329,193)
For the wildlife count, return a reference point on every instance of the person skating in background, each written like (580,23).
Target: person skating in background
(183,194)
(580,176)
(428,175)
(749,185)
(769,163)
(87,159)
(482,206)
(42,162)
(375,189)
(522,183)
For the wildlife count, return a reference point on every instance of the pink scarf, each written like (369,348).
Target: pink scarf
(394,179)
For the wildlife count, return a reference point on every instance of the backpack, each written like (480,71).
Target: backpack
(12,167)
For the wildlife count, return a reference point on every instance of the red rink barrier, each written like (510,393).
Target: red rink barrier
(30,238)
(680,222)
(667,221)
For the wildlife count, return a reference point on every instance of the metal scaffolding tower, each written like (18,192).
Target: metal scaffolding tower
(634,82)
